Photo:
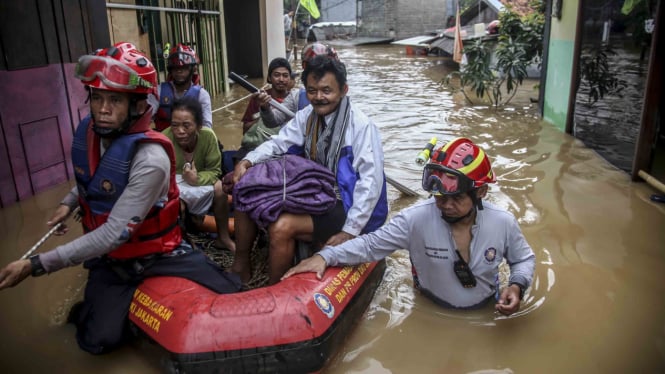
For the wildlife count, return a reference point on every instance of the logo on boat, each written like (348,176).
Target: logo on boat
(324,304)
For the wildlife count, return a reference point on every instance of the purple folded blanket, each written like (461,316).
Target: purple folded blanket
(289,184)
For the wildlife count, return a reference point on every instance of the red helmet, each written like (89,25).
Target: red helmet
(182,55)
(316,49)
(121,67)
(458,166)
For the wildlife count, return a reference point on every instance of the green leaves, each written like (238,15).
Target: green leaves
(497,67)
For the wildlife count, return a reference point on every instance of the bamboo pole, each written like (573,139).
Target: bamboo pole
(653,182)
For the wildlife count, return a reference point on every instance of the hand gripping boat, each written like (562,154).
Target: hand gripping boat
(293,326)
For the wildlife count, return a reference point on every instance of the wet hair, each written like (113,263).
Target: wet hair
(320,65)
(279,62)
(192,105)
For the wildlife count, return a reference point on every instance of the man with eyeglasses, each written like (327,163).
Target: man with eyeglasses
(126,190)
(455,240)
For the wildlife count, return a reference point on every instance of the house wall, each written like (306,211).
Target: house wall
(273,32)
(42,102)
(124,27)
(560,65)
(404,18)
(337,11)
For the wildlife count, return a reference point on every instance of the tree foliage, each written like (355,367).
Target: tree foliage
(519,44)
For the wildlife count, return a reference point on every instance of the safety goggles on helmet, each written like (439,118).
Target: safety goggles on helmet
(110,71)
(181,59)
(441,180)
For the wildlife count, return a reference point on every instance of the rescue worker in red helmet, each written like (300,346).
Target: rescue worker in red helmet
(128,198)
(182,80)
(297,99)
(455,241)
(316,49)
(458,167)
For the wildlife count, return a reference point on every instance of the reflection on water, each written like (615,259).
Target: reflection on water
(596,304)
(611,125)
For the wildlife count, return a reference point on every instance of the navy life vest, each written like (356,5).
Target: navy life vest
(166,97)
(101,181)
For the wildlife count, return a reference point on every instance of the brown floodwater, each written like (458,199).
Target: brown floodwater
(596,305)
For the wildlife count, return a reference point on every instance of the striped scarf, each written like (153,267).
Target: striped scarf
(324,142)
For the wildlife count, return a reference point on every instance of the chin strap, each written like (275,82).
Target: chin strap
(132,116)
(476,201)
(457,219)
(477,204)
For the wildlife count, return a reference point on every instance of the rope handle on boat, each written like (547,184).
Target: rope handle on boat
(232,103)
(49,233)
(265,87)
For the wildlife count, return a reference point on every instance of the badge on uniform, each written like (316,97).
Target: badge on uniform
(108,187)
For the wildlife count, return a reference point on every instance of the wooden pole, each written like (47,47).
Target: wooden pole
(653,182)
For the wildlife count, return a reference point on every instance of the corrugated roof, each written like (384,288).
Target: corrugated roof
(495,4)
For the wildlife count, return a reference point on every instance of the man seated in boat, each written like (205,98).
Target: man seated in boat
(255,130)
(198,163)
(128,197)
(455,240)
(296,99)
(337,135)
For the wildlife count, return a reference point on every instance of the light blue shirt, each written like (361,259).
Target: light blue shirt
(421,230)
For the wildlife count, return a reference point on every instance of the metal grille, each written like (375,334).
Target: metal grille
(196,23)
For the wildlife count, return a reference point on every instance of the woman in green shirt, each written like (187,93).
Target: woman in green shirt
(199,162)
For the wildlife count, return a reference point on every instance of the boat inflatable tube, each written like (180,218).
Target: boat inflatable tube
(294,326)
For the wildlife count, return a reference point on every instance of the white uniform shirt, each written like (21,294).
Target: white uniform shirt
(421,230)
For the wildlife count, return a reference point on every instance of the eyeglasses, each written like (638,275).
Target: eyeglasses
(110,71)
(441,180)
(463,272)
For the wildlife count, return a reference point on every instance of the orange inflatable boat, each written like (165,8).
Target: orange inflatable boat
(294,326)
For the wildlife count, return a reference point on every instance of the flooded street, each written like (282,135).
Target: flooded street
(596,305)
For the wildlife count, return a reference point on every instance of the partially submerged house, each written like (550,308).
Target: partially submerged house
(398,19)
(473,19)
